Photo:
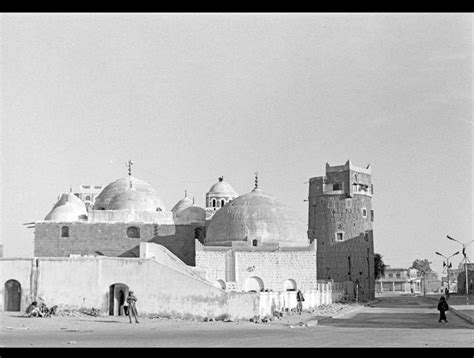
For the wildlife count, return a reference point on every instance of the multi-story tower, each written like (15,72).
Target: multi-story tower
(340,220)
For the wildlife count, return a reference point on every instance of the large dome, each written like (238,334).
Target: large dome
(132,199)
(121,186)
(256,215)
(222,188)
(68,208)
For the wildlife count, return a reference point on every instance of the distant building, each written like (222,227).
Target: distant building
(403,280)
(461,278)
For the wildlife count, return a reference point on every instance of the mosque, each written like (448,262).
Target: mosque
(236,246)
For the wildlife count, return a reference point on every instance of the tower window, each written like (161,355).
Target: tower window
(364,212)
(222,202)
(133,232)
(371,215)
(336,187)
(213,203)
(65,231)
(254,242)
(339,236)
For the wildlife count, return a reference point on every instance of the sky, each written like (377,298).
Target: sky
(193,96)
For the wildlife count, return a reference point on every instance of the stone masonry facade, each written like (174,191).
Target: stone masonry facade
(340,221)
(111,239)
(273,268)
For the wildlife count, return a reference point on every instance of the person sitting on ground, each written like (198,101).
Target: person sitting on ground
(30,308)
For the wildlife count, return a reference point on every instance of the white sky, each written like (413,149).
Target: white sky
(190,97)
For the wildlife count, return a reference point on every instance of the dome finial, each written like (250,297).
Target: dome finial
(193,200)
(185,193)
(221,178)
(129,166)
(256,180)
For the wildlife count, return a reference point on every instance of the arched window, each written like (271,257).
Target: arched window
(65,231)
(88,197)
(222,202)
(254,242)
(213,203)
(198,233)
(364,212)
(158,209)
(133,232)
(290,285)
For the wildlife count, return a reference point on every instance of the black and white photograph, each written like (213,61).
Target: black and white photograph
(236,180)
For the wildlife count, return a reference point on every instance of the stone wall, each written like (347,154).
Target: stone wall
(273,268)
(84,282)
(110,239)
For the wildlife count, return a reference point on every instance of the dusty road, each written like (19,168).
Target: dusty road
(391,322)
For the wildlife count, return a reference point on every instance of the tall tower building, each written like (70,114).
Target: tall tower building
(340,220)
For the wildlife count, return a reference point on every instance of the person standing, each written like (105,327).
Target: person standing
(132,309)
(442,308)
(446,292)
(299,299)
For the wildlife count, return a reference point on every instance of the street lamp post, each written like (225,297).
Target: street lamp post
(465,259)
(447,262)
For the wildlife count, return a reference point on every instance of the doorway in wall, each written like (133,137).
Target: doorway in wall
(12,292)
(118,293)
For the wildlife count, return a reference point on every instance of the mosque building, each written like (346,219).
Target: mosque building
(237,243)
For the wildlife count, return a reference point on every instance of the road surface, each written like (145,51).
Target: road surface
(402,321)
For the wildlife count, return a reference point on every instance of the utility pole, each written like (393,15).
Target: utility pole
(465,260)
(447,262)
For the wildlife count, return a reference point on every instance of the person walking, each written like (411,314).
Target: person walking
(299,299)
(442,308)
(132,309)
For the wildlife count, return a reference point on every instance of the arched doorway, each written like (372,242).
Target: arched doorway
(12,296)
(254,284)
(220,284)
(290,285)
(118,293)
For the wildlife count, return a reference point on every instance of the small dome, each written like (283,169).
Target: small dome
(256,215)
(102,202)
(68,208)
(222,188)
(190,215)
(132,199)
(182,204)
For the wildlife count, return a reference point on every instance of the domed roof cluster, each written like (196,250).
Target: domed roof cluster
(68,208)
(129,193)
(256,215)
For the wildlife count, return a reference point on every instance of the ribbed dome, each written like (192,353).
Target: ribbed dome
(68,208)
(182,204)
(222,188)
(132,199)
(102,202)
(256,215)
